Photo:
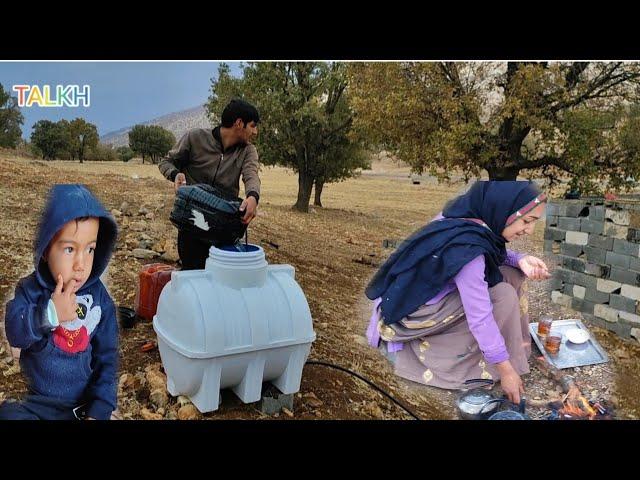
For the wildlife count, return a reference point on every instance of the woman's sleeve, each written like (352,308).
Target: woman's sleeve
(474,293)
(513,258)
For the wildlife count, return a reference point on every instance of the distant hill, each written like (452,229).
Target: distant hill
(177,123)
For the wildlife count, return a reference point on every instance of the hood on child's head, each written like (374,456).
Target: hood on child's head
(66,203)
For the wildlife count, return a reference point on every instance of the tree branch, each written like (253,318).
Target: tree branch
(602,84)
(573,74)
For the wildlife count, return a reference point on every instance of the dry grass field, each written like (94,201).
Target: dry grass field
(334,250)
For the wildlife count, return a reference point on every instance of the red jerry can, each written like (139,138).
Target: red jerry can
(151,280)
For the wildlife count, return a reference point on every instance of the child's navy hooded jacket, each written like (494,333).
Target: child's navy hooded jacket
(77,363)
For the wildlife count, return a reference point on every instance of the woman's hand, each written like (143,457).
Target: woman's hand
(534,268)
(510,381)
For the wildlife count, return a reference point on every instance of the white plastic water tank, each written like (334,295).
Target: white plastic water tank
(235,324)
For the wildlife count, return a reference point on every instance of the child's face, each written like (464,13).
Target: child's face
(71,251)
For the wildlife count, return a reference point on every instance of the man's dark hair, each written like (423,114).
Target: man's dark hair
(239,109)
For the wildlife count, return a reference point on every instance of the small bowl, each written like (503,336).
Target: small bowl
(577,335)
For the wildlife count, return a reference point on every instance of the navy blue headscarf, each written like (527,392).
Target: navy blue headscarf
(431,256)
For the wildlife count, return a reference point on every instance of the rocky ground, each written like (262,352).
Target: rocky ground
(334,250)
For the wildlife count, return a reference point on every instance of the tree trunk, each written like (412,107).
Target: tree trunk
(318,192)
(305,185)
(503,173)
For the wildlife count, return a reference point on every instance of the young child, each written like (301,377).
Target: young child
(62,317)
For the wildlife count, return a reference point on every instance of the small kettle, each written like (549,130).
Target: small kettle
(477,403)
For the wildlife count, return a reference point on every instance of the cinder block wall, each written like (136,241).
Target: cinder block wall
(597,247)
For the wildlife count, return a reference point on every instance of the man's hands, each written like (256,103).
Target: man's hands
(64,300)
(179,181)
(249,206)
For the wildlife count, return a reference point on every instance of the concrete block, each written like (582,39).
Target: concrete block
(548,246)
(617,260)
(574,264)
(554,283)
(597,213)
(632,319)
(551,233)
(578,291)
(630,291)
(596,296)
(607,286)
(582,305)
(619,217)
(624,275)
(626,248)
(566,223)
(574,210)
(567,289)
(552,208)
(594,321)
(633,235)
(597,270)
(607,313)
(615,231)
(577,238)
(584,280)
(273,401)
(619,328)
(600,241)
(623,304)
(571,250)
(591,226)
(595,255)
(561,299)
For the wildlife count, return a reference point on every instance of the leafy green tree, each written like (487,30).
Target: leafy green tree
(151,141)
(548,118)
(10,120)
(51,139)
(84,136)
(305,119)
(125,153)
(160,142)
(102,152)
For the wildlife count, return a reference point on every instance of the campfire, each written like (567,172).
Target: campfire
(574,406)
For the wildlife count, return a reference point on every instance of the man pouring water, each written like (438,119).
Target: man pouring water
(216,157)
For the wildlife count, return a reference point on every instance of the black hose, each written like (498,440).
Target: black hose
(343,369)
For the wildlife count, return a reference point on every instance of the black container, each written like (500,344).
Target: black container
(126,317)
(514,412)
(210,213)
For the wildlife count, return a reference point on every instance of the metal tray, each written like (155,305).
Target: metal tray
(571,354)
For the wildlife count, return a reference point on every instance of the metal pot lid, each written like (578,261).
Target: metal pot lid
(477,396)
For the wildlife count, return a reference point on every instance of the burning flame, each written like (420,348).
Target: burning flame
(576,406)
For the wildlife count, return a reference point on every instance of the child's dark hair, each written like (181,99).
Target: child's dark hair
(83,219)
(239,109)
